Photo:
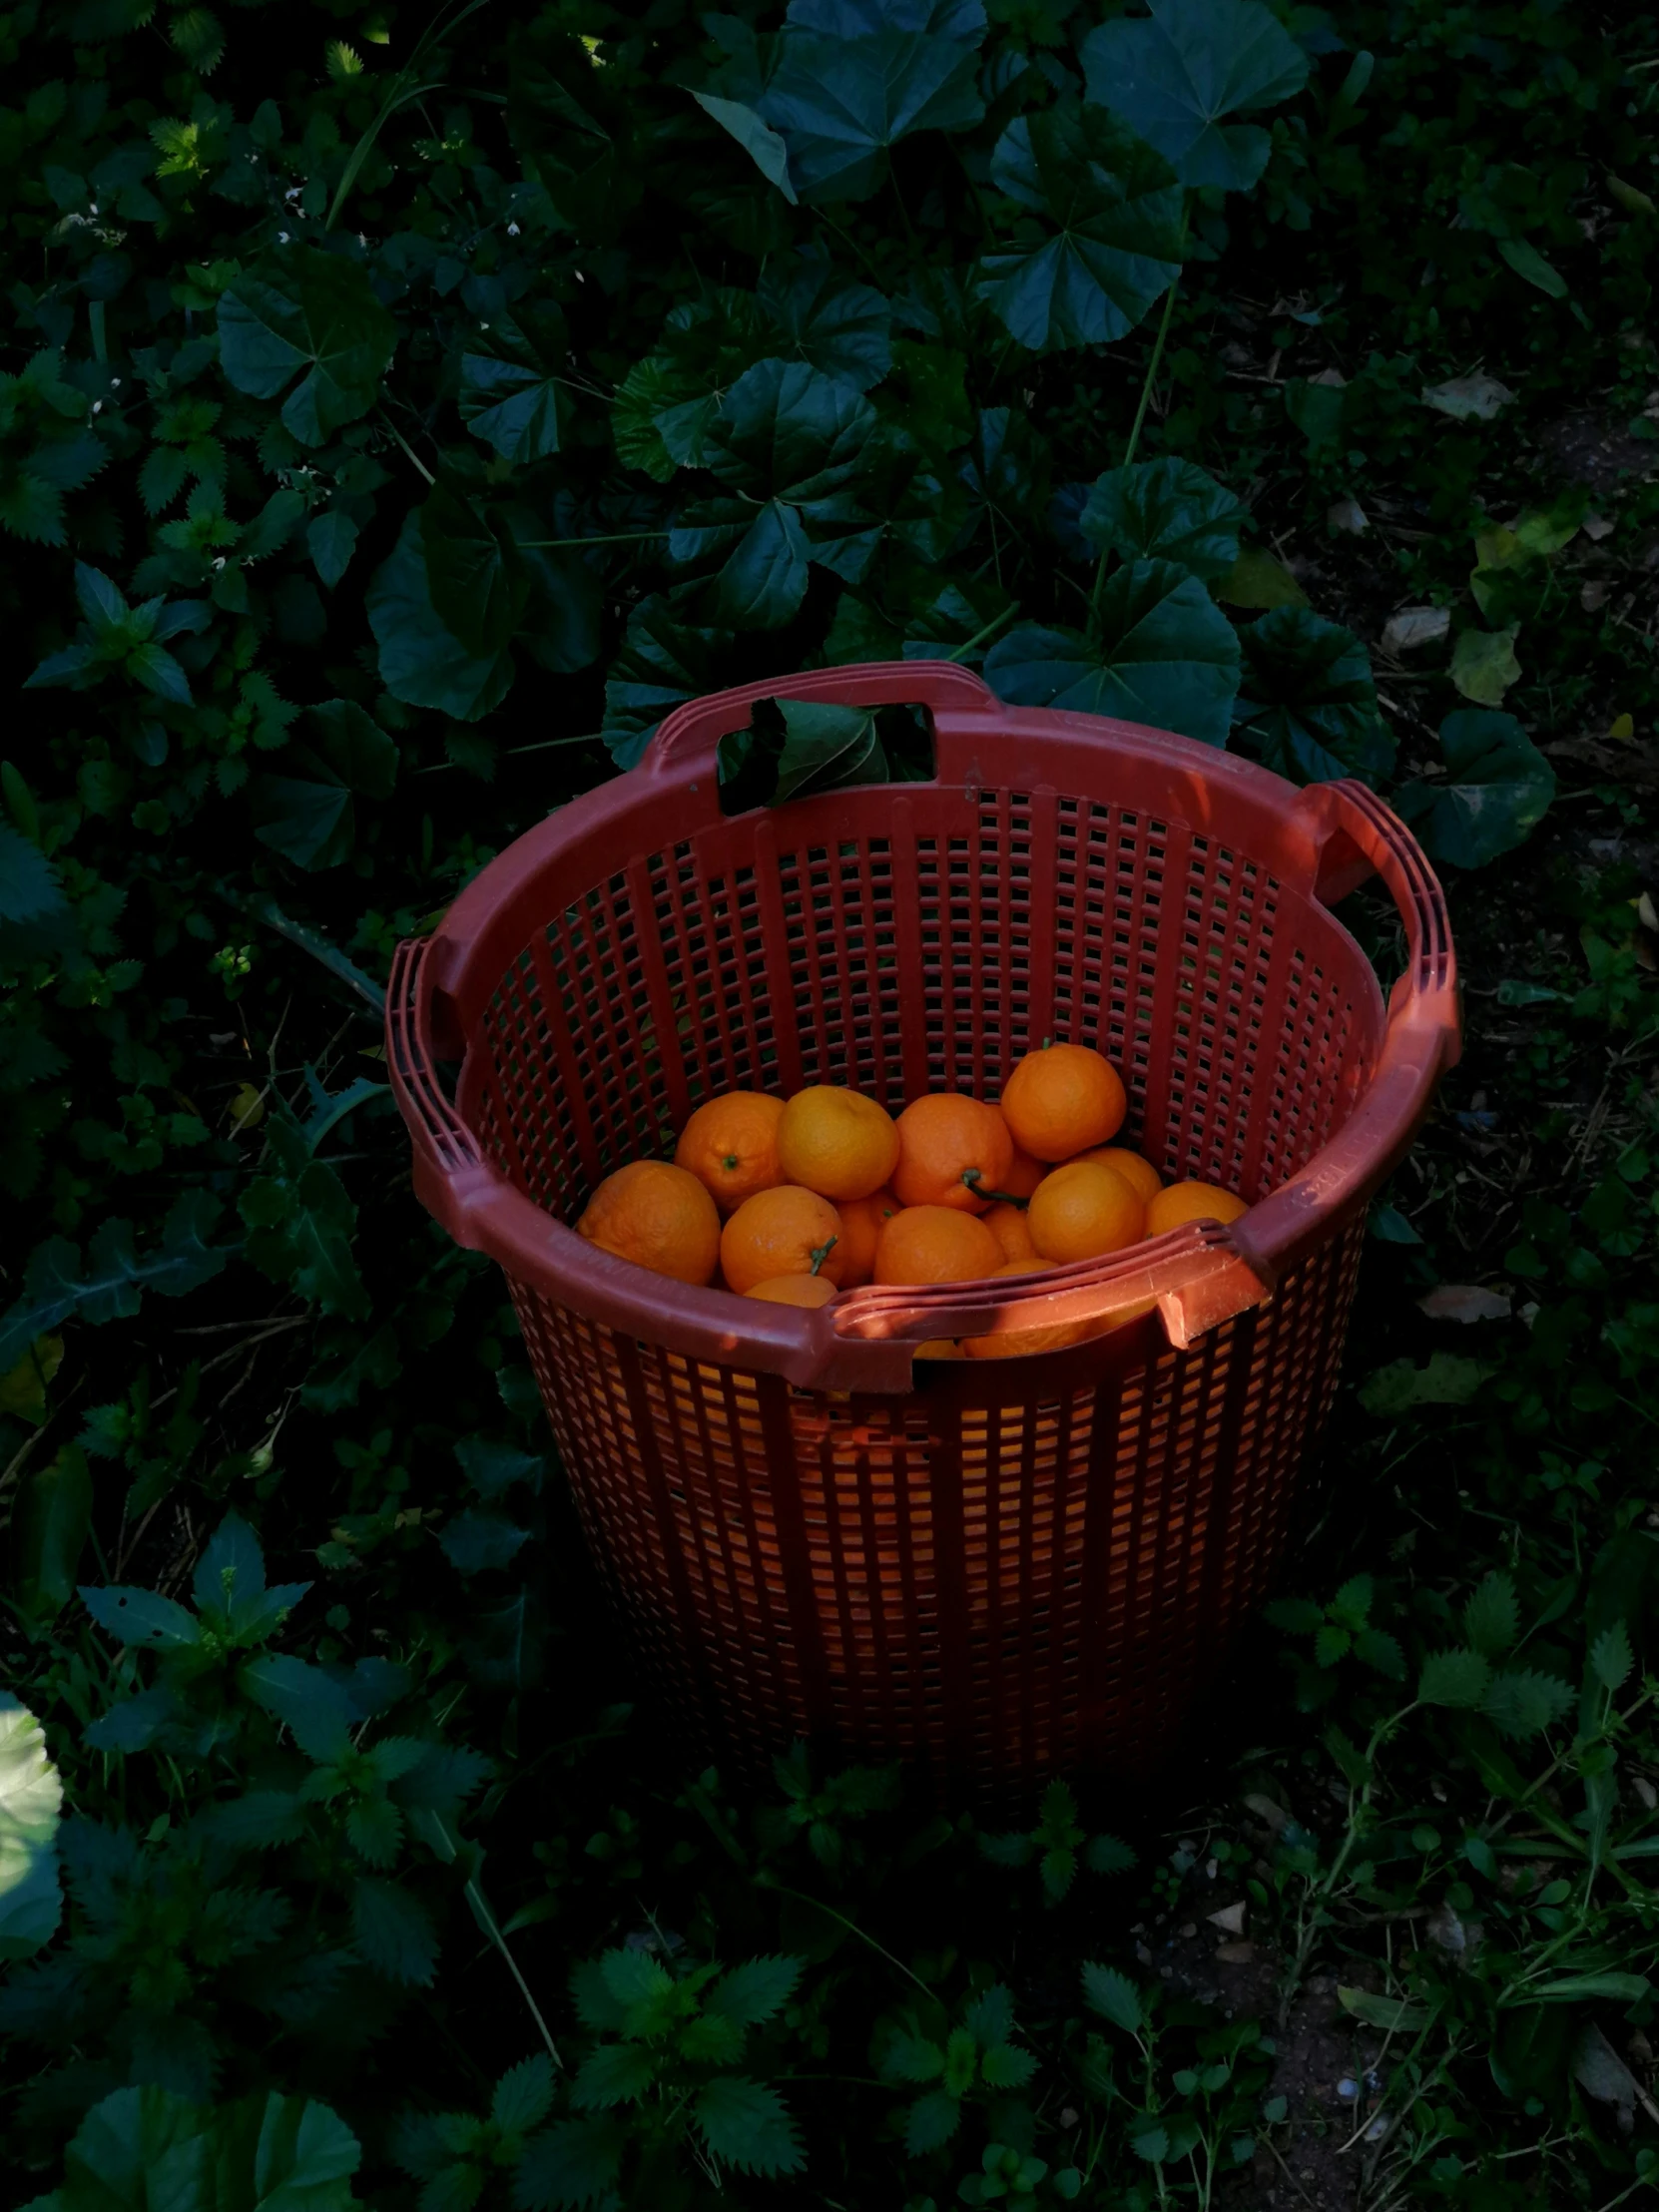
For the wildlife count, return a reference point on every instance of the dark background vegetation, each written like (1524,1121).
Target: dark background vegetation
(383,431)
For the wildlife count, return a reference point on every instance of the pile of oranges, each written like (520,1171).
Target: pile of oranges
(796,1200)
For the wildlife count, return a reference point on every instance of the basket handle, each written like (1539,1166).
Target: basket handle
(1353,834)
(693,731)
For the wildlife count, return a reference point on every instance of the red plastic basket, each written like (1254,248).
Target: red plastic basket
(998,1568)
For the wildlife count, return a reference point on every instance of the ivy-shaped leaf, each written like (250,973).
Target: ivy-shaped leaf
(1164,510)
(1101,239)
(422,662)
(1306,702)
(1165,655)
(1498,788)
(318,320)
(1174,79)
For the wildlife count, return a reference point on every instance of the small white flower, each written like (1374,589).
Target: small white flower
(512,230)
(115,383)
(294,191)
(97,406)
(220,563)
(94,206)
(282,237)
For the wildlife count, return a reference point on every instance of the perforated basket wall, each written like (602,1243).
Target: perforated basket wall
(1023,1564)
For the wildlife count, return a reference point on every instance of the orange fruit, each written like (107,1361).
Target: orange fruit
(1008,1224)
(794,1290)
(731,1146)
(1141,1175)
(1083,1210)
(785,1231)
(935,1244)
(1062,1099)
(952,1151)
(1022,1174)
(862,1220)
(837,1142)
(660,1216)
(1184,1202)
(1017,1342)
(939,1348)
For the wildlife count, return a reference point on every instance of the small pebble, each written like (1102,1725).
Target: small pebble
(1378,2128)
(1347,2089)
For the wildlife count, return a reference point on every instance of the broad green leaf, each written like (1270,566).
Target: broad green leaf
(1395,2015)
(1307,702)
(52,1521)
(931,2121)
(481,1543)
(1582,1988)
(1498,789)
(511,406)
(1526,260)
(1611,1658)
(1259,581)
(422,663)
(1150,2142)
(316,1710)
(825,747)
(1100,239)
(1491,1618)
(310,824)
(142,1617)
(300,1224)
(332,539)
(1164,510)
(29,886)
(1523,1702)
(474,576)
(493,1468)
(1455,1678)
(31,1899)
(139,2150)
(763,145)
(786,430)
(1445,1381)
(763,579)
(1114,1996)
(305,2152)
(320,321)
(755,1992)
(843,329)
(1173,80)
(840,99)
(748,2125)
(664,661)
(615,2073)
(1484,664)
(393,1931)
(1166,657)
(524,2095)
(575,2163)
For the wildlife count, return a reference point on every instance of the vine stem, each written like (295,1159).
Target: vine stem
(1145,402)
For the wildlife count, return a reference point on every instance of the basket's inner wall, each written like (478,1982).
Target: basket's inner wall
(926,941)
(1021,1565)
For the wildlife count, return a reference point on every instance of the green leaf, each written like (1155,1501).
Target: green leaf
(31,1795)
(300,1224)
(755,1992)
(481,1543)
(1583,1988)
(1257,580)
(576,2163)
(324,325)
(1611,1658)
(1395,2015)
(29,886)
(149,2150)
(1100,239)
(312,825)
(615,2073)
(840,99)
(843,329)
(1499,789)
(1526,260)
(1114,1996)
(1445,1381)
(512,407)
(1491,1618)
(1307,701)
(1166,657)
(422,663)
(1174,79)
(1521,1702)
(1150,2142)
(393,1931)
(477,583)
(1484,664)
(1164,510)
(1455,1678)
(332,539)
(142,1617)
(664,661)
(827,746)
(748,2125)
(764,146)
(314,1708)
(910,2058)
(53,1520)
(1108,1855)
(1381,1650)
(303,2153)
(931,2121)
(1297,1616)
(524,2095)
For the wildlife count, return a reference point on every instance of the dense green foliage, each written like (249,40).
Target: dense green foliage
(398,415)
